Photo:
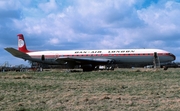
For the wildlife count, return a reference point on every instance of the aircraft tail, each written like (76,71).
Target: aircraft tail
(22,44)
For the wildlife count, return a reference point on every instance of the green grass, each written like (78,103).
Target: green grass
(122,89)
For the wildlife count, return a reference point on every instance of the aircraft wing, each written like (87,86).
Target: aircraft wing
(17,53)
(83,60)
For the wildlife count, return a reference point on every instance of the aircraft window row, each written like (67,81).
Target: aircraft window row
(76,55)
(87,55)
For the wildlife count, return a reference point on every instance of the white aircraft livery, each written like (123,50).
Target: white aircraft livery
(89,59)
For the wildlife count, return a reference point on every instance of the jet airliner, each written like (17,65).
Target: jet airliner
(89,59)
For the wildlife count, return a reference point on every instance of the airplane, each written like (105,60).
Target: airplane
(89,59)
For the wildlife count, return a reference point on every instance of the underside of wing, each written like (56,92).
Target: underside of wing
(17,53)
(83,60)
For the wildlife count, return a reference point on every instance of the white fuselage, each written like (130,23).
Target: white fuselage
(121,56)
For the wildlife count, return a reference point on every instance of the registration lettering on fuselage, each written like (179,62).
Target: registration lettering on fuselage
(99,51)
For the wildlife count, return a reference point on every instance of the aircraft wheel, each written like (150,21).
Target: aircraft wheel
(165,67)
(110,68)
(87,69)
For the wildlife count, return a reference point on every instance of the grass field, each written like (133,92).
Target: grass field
(122,89)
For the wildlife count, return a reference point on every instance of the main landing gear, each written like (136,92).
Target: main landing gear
(105,67)
(89,67)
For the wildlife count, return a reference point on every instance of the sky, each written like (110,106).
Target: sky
(89,24)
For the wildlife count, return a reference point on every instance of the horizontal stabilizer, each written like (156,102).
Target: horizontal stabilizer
(17,53)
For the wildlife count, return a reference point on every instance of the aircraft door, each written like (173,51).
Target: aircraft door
(42,57)
(155,55)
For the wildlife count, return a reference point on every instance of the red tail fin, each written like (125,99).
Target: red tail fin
(22,43)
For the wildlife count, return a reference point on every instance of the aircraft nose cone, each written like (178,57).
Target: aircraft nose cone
(173,56)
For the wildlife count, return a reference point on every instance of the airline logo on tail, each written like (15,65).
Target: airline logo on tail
(22,43)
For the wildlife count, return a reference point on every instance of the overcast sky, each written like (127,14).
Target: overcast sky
(89,24)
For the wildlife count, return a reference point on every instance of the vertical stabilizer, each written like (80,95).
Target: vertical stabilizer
(22,43)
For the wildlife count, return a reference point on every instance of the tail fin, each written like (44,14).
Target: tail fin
(22,43)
